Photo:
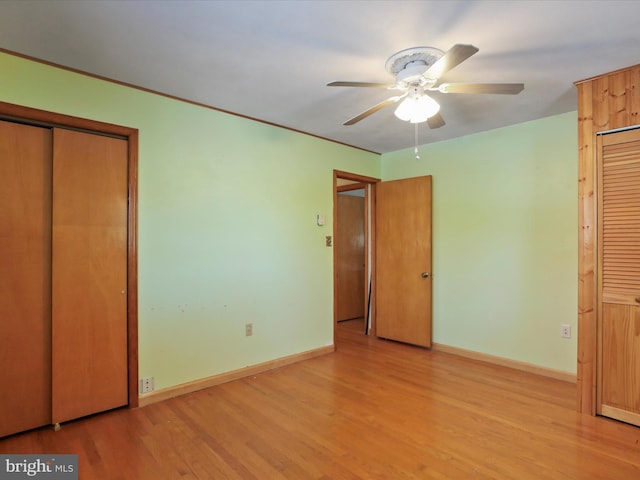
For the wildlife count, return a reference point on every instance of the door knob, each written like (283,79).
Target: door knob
(425,275)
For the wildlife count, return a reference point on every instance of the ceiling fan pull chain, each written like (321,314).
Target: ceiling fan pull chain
(416,138)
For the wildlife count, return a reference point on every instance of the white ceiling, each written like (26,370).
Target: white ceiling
(271,60)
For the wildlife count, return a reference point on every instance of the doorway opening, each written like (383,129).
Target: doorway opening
(353,256)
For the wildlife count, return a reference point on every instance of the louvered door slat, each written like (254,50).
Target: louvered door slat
(620,217)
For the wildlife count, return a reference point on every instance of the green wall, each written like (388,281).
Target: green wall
(505,223)
(227,232)
(227,224)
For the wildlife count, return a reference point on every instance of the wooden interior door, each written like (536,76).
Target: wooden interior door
(403,260)
(350,254)
(25,281)
(89,301)
(618,382)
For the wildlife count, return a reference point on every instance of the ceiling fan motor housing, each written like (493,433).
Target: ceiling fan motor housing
(412,72)
(409,65)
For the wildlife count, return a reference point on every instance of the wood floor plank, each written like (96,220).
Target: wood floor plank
(372,410)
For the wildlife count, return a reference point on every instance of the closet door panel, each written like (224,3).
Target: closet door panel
(619,275)
(89,271)
(25,282)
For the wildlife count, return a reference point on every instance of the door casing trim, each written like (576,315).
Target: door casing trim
(362,181)
(33,116)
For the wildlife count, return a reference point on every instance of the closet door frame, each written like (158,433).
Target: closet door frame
(605,102)
(44,118)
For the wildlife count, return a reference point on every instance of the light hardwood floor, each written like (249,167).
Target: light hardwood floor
(372,410)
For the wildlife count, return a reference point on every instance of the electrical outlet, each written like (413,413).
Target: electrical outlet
(565,331)
(146,385)
(248,329)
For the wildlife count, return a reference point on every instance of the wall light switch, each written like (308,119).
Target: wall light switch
(320,220)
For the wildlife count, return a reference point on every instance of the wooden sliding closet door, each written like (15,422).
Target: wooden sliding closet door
(25,281)
(89,270)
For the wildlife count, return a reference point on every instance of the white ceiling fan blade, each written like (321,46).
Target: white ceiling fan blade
(374,109)
(452,57)
(495,88)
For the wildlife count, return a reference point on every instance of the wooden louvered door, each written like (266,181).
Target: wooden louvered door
(619,276)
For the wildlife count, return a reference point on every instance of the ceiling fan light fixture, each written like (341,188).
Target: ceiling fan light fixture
(417,109)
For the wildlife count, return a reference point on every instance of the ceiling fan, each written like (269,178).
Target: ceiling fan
(417,71)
